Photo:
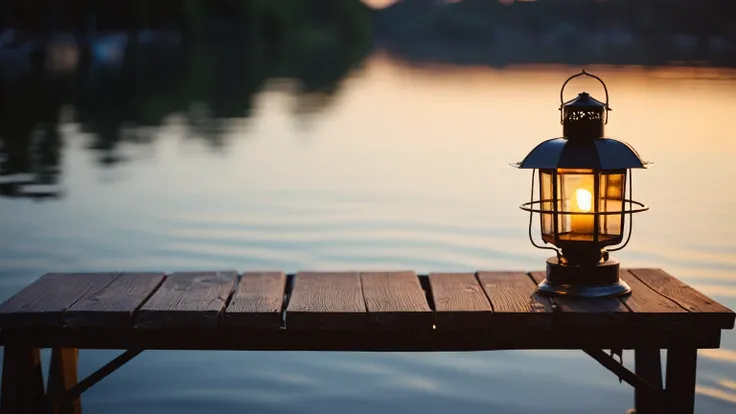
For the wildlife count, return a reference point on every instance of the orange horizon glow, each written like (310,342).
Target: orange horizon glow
(379,4)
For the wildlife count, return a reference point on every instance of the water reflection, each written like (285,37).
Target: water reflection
(119,86)
(114,101)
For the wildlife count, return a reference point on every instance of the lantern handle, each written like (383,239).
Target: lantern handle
(584,73)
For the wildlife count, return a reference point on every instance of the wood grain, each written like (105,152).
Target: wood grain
(648,306)
(396,300)
(43,302)
(710,311)
(257,301)
(114,305)
(516,305)
(513,292)
(326,301)
(188,300)
(459,301)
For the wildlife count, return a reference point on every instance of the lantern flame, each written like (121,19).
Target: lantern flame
(583,199)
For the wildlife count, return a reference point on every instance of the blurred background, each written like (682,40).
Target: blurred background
(337,134)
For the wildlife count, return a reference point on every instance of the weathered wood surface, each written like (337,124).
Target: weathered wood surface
(651,307)
(326,301)
(395,300)
(257,301)
(188,300)
(685,296)
(43,302)
(114,305)
(459,301)
(516,305)
(353,311)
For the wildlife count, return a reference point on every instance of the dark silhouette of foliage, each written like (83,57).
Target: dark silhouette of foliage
(228,51)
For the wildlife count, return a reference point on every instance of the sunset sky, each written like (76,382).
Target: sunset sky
(378,4)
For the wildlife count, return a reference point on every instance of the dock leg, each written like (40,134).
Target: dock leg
(62,377)
(680,387)
(648,366)
(22,390)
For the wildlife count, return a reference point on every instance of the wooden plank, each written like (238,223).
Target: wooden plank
(513,292)
(114,305)
(62,377)
(649,307)
(598,313)
(326,301)
(710,311)
(188,300)
(459,301)
(515,301)
(43,302)
(396,300)
(257,301)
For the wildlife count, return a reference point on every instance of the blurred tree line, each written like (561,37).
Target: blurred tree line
(273,19)
(649,32)
(474,20)
(230,51)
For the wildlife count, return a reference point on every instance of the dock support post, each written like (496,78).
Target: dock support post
(648,365)
(62,377)
(680,387)
(22,389)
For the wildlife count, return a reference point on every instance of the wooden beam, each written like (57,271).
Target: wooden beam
(627,376)
(63,377)
(682,363)
(648,366)
(22,389)
(74,392)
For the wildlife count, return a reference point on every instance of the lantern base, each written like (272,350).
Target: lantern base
(598,281)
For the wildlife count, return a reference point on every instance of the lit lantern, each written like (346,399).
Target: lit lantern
(585,194)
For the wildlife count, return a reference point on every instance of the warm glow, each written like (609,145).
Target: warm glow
(583,199)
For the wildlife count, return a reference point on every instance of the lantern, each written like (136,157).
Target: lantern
(585,196)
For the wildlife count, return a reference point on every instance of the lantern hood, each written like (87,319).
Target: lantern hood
(584,100)
(596,154)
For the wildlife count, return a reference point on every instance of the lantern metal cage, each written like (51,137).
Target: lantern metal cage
(585,193)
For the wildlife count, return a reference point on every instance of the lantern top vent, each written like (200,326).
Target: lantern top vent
(583,117)
(585,101)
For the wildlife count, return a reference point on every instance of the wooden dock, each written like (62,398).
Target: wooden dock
(349,311)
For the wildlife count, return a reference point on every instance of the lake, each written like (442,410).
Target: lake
(379,164)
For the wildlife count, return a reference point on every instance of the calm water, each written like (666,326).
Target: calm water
(392,166)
